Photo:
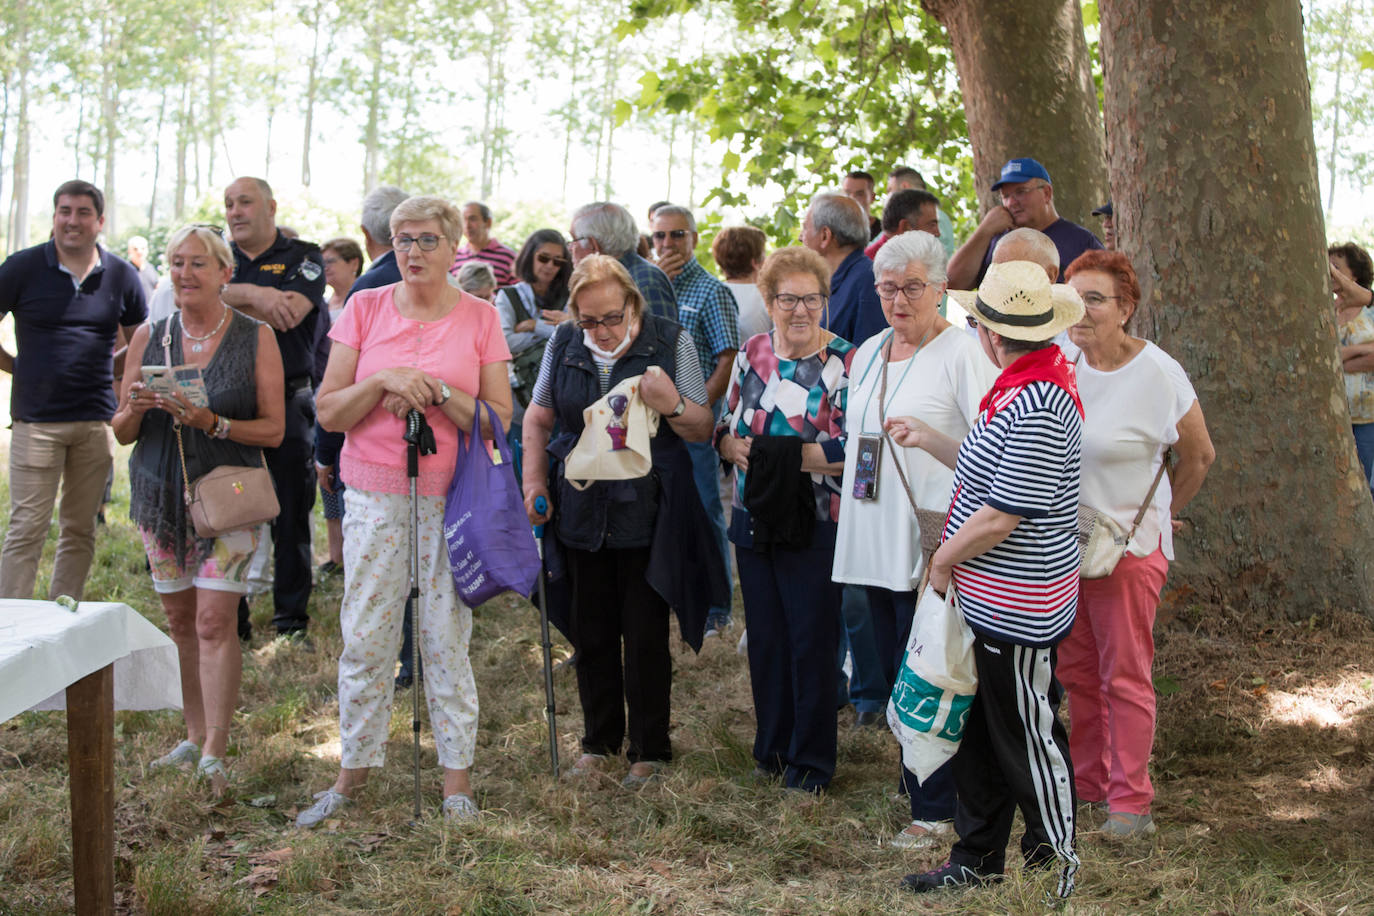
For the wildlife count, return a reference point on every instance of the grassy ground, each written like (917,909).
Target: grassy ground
(1264,767)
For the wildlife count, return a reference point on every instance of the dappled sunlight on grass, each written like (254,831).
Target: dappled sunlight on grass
(1331,704)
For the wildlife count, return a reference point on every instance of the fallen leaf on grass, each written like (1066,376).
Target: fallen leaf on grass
(370,841)
(1260,690)
(661,867)
(1218,684)
(275,857)
(261,879)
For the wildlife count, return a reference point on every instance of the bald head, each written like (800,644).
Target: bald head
(1029,245)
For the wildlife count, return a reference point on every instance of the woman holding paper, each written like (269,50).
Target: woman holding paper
(199,580)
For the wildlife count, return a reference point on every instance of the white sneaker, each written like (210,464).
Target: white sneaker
(184,756)
(929,833)
(460,807)
(326,804)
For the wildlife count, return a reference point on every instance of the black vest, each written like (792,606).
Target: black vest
(617,514)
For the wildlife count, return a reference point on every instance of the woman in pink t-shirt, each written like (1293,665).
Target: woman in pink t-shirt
(416,345)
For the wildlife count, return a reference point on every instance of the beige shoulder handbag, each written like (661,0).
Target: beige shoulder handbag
(229,497)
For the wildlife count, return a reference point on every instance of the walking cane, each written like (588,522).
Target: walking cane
(419,441)
(541,505)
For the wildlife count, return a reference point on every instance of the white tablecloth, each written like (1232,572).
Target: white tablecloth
(44,648)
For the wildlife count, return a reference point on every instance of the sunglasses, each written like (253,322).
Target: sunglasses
(550,259)
(674,234)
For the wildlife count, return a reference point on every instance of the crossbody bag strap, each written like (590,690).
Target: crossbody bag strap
(1149,497)
(882,424)
(517,304)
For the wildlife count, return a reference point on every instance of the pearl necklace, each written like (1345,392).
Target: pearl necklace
(198,343)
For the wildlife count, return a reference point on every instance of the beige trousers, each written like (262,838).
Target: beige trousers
(77,455)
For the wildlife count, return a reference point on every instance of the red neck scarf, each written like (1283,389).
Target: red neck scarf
(1047,365)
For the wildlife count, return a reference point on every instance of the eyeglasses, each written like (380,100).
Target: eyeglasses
(674,234)
(913,290)
(550,259)
(1022,192)
(427,242)
(579,238)
(610,321)
(1096,299)
(330,262)
(814,302)
(217,230)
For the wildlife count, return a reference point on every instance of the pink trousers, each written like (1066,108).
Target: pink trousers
(1104,665)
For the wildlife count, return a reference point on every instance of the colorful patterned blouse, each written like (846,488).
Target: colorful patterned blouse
(772,396)
(1359,386)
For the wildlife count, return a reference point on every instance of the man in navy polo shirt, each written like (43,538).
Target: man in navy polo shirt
(280,280)
(1027,202)
(69,298)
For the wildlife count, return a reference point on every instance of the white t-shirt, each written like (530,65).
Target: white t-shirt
(753,314)
(879,542)
(1131,416)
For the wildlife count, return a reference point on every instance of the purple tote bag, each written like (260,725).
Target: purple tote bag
(490,545)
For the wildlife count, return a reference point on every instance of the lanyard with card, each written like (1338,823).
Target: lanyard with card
(868,462)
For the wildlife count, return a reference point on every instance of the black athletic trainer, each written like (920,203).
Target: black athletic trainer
(949,876)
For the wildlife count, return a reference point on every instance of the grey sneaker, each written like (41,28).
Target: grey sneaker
(184,756)
(460,807)
(1123,826)
(327,803)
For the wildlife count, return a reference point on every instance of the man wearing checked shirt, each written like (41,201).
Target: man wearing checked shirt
(707,310)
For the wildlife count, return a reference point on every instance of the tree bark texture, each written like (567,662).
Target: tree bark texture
(1028,91)
(1214,178)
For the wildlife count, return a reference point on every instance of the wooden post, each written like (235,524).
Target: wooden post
(90,756)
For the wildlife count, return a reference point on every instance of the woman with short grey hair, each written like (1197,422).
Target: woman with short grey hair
(921,366)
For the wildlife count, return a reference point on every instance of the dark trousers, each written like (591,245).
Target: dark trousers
(614,604)
(1015,753)
(792,609)
(292,465)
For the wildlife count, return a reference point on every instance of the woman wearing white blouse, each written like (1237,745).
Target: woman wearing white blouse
(924,367)
(1138,404)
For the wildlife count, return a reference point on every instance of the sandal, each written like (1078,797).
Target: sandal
(635,780)
(184,756)
(588,765)
(327,803)
(213,771)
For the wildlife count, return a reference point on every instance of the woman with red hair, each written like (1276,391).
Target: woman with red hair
(1138,405)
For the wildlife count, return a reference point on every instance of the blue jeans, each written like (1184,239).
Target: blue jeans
(1364,446)
(868,689)
(706,473)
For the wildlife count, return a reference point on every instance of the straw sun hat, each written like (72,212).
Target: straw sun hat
(1017,301)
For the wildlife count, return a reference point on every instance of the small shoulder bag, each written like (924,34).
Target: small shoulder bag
(229,497)
(1102,542)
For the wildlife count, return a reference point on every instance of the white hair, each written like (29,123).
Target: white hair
(900,251)
(610,224)
(377,207)
(844,218)
(1026,244)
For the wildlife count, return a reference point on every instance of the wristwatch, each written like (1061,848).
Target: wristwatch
(681,407)
(445,392)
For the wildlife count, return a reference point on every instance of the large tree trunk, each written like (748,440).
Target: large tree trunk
(1028,91)
(1211,126)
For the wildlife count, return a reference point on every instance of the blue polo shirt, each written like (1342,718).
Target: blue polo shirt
(64,371)
(855,312)
(381,272)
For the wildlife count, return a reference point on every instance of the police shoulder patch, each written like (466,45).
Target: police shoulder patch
(310,270)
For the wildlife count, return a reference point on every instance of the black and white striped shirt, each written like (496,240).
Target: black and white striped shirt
(1024,461)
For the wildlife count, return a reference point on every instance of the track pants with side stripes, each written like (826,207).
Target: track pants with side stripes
(1015,753)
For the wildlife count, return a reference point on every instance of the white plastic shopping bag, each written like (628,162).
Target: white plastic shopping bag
(935,685)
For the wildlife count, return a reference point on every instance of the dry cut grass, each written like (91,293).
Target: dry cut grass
(1264,765)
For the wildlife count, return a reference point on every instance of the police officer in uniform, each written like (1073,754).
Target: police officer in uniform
(280,280)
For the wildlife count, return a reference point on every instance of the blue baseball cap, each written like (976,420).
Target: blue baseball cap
(1104,210)
(1019,170)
